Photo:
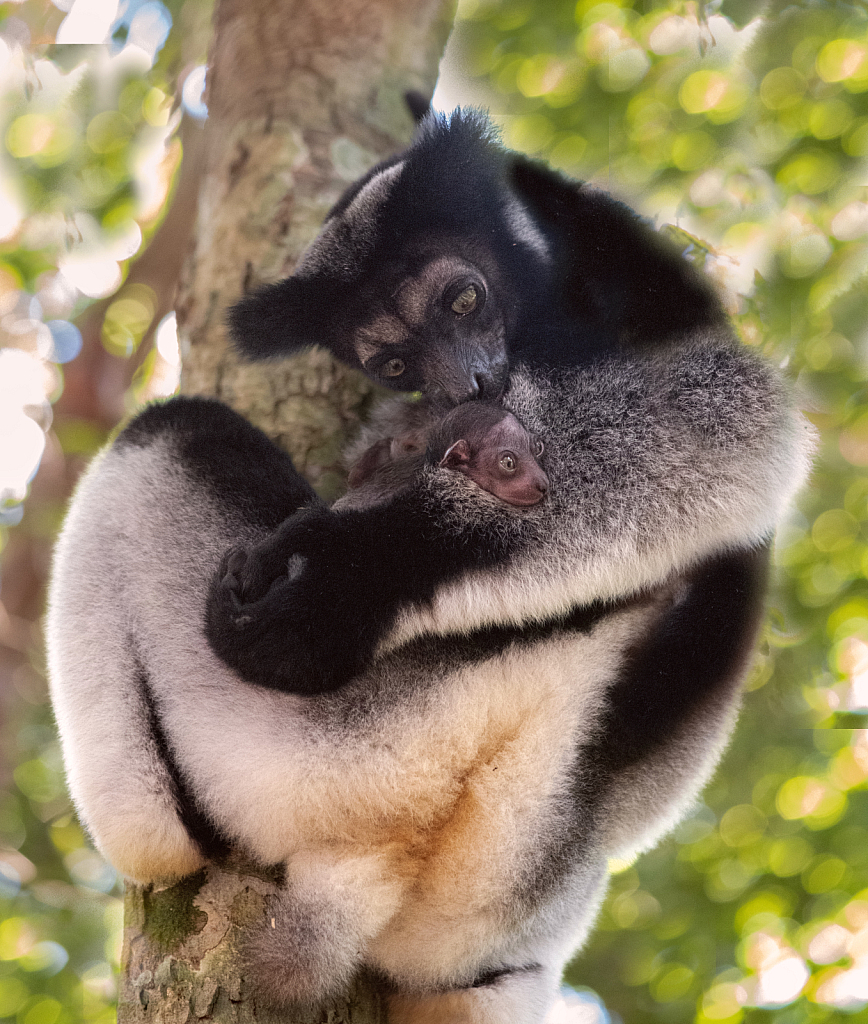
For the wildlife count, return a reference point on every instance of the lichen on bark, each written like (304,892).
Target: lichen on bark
(182,950)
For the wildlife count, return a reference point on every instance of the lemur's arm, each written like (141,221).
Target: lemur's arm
(653,463)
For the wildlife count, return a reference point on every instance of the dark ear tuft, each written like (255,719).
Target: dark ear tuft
(282,318)
(549,194)
(638,282)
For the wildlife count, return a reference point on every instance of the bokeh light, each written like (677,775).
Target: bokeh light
(88,21)
(192,95)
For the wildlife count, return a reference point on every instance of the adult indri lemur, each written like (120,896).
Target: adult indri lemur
(443,713)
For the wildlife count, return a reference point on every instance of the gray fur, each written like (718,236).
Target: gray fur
(653,461)
(425,812)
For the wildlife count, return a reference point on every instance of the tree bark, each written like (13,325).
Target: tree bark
(180,956)
(303,97)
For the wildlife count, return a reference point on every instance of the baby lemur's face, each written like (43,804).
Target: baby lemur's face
(494,450)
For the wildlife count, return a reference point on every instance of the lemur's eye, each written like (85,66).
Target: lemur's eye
(465,301)
(539,448)
(508,462)
(394,368)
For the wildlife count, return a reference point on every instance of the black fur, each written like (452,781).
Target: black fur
(358,569)
(201,829)
(225,454)
(611,261)
(696,653)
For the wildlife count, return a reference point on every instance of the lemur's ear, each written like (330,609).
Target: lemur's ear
(282,318)
(457,456)
(375,458)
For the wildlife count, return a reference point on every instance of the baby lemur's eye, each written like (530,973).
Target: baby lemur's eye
(465,302)
(394,368)
(508,462)
(539,448)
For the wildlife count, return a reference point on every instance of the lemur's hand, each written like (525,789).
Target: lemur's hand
(248,573)
(281,613)
(306,609)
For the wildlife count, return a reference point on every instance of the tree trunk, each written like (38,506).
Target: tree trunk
(303,97)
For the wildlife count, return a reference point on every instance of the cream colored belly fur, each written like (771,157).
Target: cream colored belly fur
(425,820)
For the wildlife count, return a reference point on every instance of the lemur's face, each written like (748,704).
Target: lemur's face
(439,330)
(417,300)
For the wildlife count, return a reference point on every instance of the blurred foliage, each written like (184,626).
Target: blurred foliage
(60,908)
(89,156)
(746,138)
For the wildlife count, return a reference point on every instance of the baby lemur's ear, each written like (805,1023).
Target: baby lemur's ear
(457,455)
(371,460)
(283,318)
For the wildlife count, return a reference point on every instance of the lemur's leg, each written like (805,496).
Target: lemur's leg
(113,745)
(124,788)
(145,532)
(320,924)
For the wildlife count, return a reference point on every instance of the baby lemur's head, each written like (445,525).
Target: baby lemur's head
(488,444)
(482,440)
